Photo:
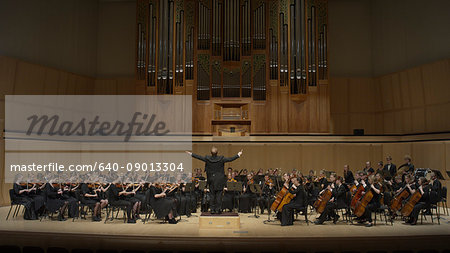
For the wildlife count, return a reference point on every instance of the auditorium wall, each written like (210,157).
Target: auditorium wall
(414,100)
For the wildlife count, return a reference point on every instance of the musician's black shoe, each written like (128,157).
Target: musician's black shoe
(131,221)
(96,219)
(61,218)
(317,222)
(173,221)
(369,224)
(336,218)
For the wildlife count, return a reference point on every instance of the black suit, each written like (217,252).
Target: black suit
(298,202)
(214,168)
(392,170)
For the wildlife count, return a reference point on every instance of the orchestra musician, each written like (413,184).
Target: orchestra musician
(348,175)
(375,187)
(164,208)
(214,167)
(338,200)
(22,194)
(389,168)
(298,202)
(268,193)
(424,201)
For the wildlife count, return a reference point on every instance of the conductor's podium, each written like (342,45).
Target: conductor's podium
(221,221)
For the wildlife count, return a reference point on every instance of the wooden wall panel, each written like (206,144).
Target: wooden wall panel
(436,80)
(411,101)
(7,75)
(29,79)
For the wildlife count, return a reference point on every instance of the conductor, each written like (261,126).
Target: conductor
(214,167)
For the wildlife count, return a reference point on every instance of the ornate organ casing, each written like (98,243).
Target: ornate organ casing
(269,54)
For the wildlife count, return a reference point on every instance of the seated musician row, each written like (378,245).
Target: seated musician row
(361,193)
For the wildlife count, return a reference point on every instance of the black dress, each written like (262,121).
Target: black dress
(31,202)
(54,200)
(161,206)
(89,201)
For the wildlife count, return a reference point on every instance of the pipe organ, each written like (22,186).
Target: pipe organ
(222,49)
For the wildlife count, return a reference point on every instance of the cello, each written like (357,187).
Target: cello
(408,207)
(356,196)
(360,207)
(412,201)
(396,203)
(322,201)
(279,198)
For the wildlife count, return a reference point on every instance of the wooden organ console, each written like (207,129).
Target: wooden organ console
(267,56)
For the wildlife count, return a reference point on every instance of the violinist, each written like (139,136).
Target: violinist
(368,168)
(130,194)
(375,187)
(268,193)
(116,197)
(322,180)
(424,202)
(338,200)
(22,195)
(55,199)
(89,197)
(163,207)
(246,198)
(298,202)
(229,196)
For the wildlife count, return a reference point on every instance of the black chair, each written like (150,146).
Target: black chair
(443,200)
(14,204)
(32,249)
(10,248)
(383,211)
(111,208)
(423,214)
(81,211)
(57,250)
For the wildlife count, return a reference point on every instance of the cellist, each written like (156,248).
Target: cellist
(375,187)
(338,200)
(424,189)
(298,202)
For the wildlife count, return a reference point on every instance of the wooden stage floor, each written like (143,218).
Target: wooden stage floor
(252,234)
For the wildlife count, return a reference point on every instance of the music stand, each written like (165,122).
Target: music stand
(190,187)
(235,187)
(256,189)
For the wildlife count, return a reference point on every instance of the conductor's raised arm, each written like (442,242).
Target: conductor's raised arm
(199,157)
(230,159)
